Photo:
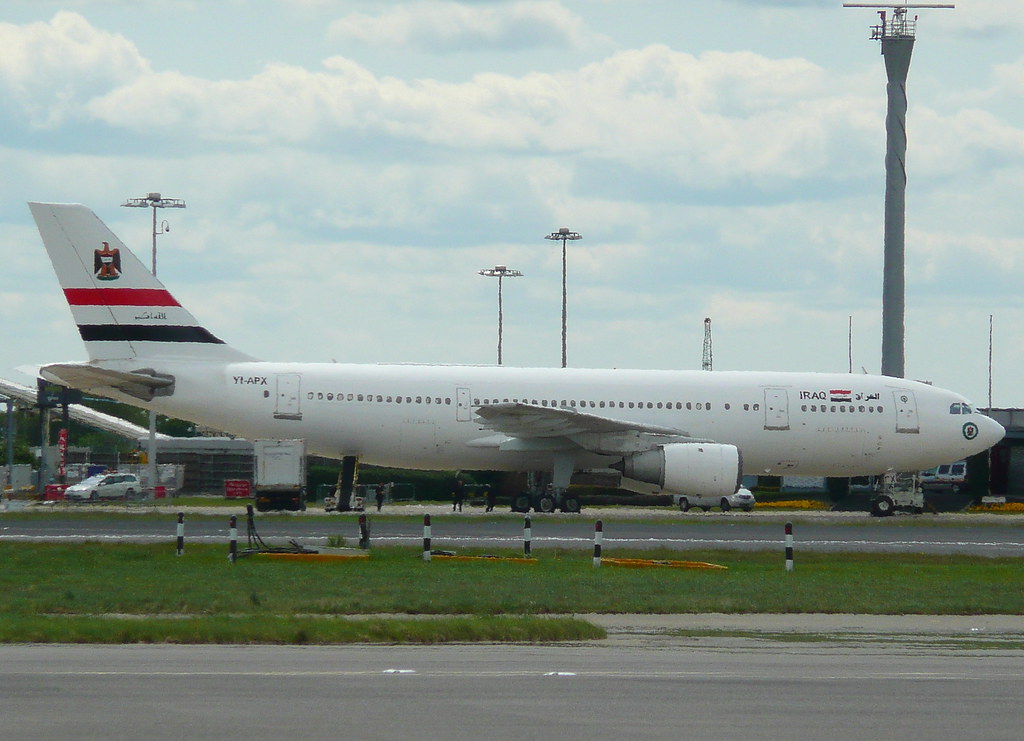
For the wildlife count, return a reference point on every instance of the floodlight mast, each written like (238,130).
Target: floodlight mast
(500,272)
(154,201)
(897,36)
(563,235)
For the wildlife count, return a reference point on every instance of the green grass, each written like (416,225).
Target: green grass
(268,629)
(127,593)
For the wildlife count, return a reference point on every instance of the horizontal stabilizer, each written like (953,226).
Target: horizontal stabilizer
(143,384)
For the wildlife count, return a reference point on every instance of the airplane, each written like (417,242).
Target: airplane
(684,432)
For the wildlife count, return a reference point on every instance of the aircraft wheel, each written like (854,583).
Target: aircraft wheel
(545,503)
(882,506)
(570,503)
(725,505)
(684,504)
(521,503)
(93,496)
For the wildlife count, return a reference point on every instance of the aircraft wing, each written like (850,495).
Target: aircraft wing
(530,426)
(143,384)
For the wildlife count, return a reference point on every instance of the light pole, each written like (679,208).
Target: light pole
(500,272)
(564,235)
(154,201)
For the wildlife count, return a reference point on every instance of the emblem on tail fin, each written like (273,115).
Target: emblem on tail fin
(107,263)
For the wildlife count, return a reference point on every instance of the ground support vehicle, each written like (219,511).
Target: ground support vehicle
(279,474)
(898,492)
(740,499)
(947,477)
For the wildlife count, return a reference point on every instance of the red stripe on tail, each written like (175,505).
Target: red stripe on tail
(119,297)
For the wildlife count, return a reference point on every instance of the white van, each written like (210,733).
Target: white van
(742,499)
(947,477)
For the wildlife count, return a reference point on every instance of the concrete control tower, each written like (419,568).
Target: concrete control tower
(896,32)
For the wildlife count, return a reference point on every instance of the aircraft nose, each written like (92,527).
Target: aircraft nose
(989,432)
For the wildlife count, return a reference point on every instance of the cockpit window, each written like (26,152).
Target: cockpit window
(960,408)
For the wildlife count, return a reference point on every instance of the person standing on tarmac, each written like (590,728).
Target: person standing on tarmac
(458,494)
(380,496)
(489,493)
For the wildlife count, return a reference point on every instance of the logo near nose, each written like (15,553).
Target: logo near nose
(970,430)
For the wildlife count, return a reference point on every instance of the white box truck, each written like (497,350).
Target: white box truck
(279,474)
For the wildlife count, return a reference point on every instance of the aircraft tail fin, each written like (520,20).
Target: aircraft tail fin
(123,312)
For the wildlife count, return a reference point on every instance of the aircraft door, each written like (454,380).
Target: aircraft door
(287,401)
(463,405)
(776,409)
(906,411)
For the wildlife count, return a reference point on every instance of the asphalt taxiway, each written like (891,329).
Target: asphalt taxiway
(689,688)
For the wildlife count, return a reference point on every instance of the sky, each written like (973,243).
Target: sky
(349,167)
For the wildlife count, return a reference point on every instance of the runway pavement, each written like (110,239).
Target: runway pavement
(686,688)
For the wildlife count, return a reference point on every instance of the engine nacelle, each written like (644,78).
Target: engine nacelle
(698,469)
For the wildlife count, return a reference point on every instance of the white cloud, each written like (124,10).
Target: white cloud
(48,70)
(449,27)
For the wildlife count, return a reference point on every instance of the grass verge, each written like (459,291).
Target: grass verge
(292,630)
(100,592)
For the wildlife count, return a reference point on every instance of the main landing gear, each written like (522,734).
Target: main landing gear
(548,492)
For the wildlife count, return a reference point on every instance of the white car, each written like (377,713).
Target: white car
(105,486)
(742,499)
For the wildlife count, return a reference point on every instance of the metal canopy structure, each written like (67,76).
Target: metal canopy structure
(896,32)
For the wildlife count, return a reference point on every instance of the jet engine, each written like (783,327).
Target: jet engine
(704,469)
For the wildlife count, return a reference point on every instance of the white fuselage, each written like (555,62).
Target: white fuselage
(422,416)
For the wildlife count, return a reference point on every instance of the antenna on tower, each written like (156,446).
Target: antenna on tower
(706,360)
(896,32)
